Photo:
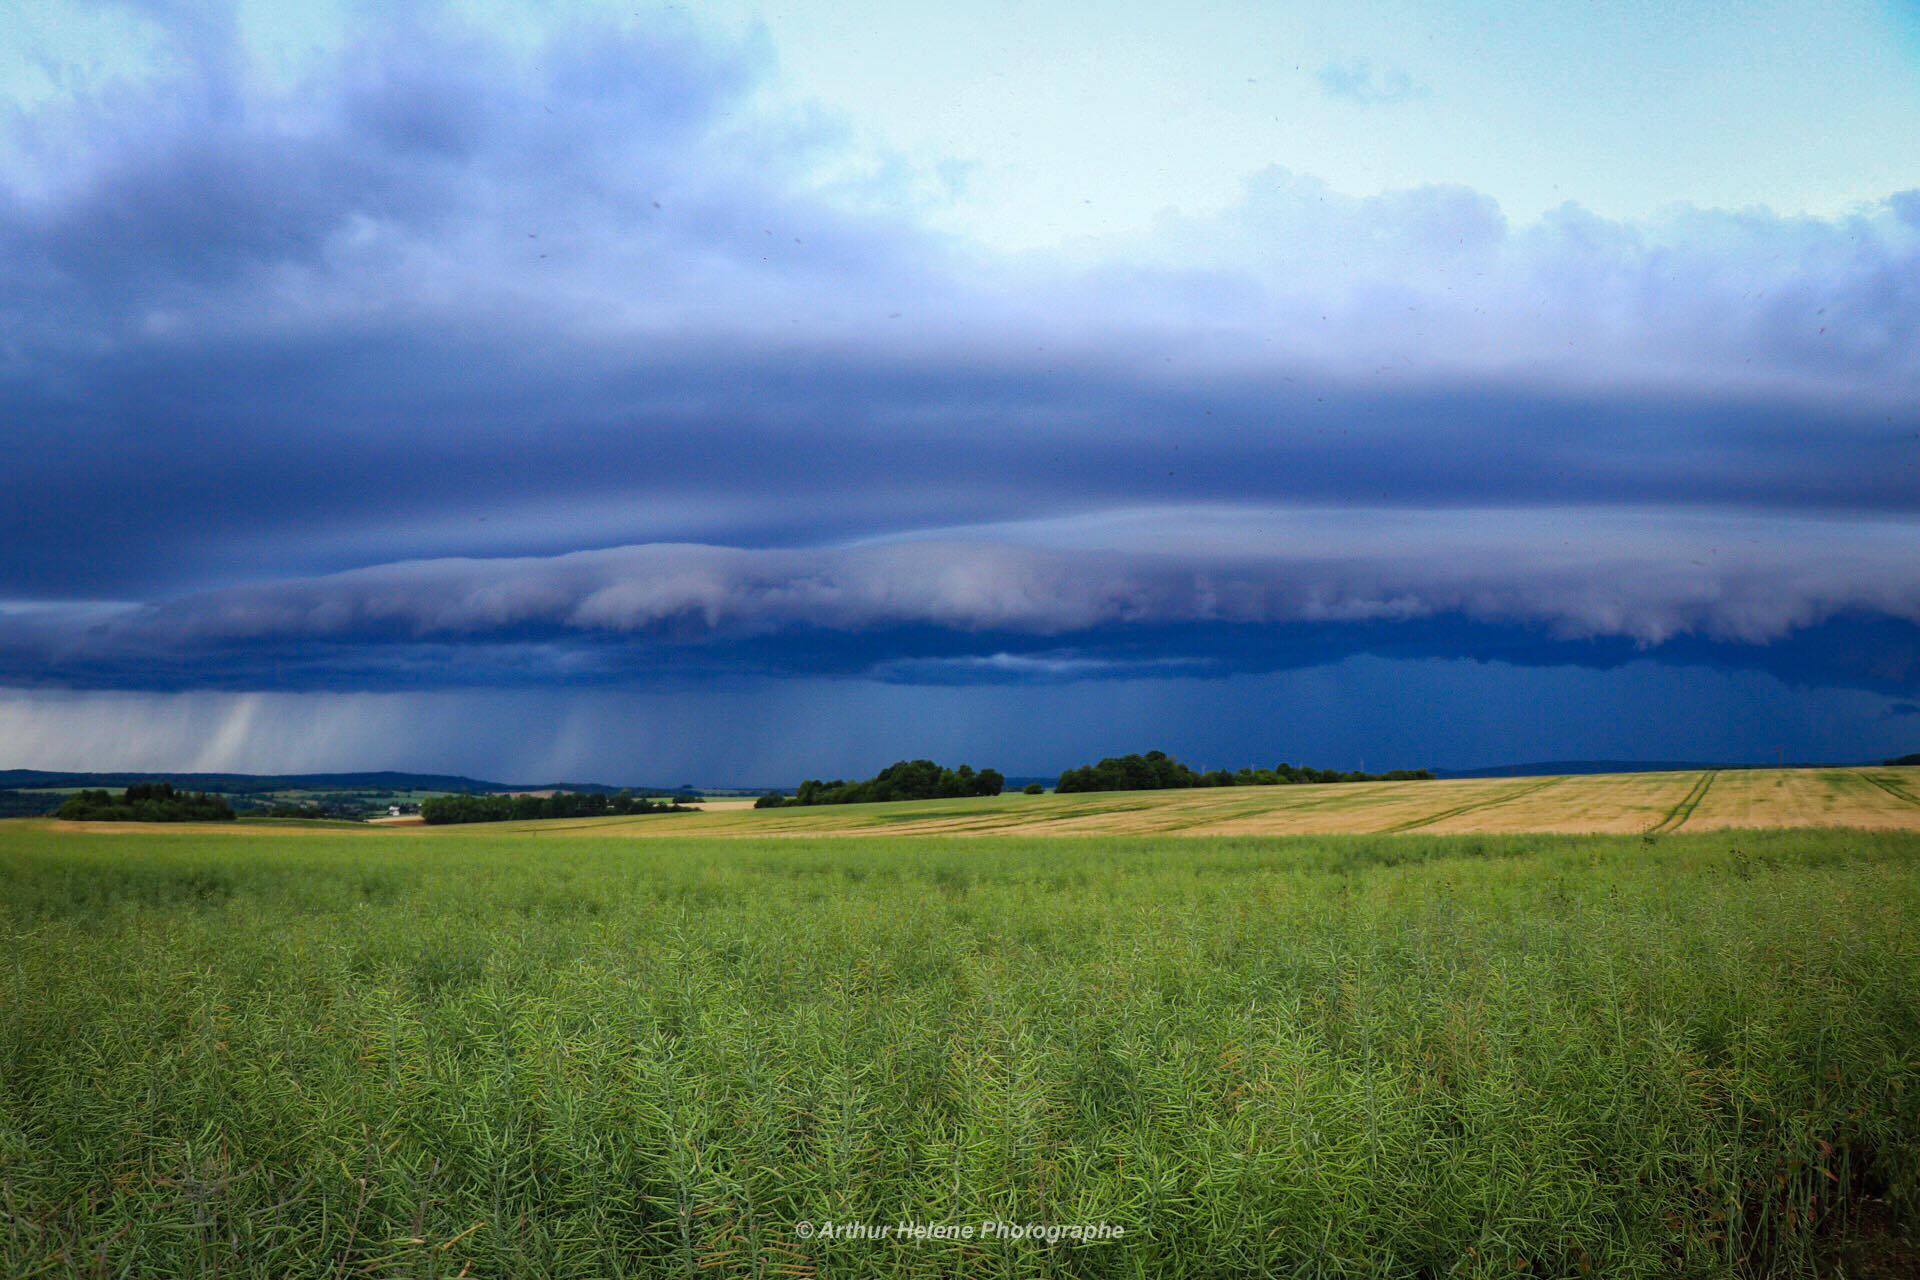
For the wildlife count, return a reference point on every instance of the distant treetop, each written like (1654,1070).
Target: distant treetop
(902,780)
(145,802)
(1157,771)
(445,810)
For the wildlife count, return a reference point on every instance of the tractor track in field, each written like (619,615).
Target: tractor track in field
(1473,806)
(1893,789)
(549,825)
(1678,815)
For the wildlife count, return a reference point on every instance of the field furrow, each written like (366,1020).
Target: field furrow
(1677,816)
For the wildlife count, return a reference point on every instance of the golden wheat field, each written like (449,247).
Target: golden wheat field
(1869,797)
(1617,804)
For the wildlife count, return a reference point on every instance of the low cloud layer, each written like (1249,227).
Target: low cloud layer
(1076,596)
(1607,575)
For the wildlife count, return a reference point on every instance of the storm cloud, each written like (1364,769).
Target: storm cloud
(453,360)
(1073,599)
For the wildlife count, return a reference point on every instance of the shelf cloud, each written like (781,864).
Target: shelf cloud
(1084,586)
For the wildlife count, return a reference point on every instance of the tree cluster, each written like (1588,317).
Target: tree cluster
(436,810)
(902,780)
(145,802)
(1157,771)
(28,804)
(313,809)
(515,808)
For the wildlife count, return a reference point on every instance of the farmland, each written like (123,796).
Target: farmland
(1606,804)
(497,1052)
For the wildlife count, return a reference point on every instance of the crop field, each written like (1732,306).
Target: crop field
(1880,798)
(480,1052)
(1618,804)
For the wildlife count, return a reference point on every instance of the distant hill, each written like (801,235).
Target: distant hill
(240,784)
(248,783)
(1546,767)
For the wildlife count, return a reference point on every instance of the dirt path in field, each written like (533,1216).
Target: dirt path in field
(1892,789)
(1677,816)
(1810,798)
(1475,806)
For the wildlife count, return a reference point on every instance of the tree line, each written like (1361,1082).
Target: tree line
(310,809)
(439,810)
(145,802)
(902,780)
(1157,771)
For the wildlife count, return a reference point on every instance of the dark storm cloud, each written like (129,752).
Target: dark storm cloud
(1217,592)
(387,448)
(445,298)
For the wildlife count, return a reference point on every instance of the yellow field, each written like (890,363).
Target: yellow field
(1610,803)
(1625,803)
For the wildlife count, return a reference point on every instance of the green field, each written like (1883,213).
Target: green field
(462,1052)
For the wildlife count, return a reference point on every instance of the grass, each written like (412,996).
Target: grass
(485,1053)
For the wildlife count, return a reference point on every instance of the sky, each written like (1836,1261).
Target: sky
(739,392)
